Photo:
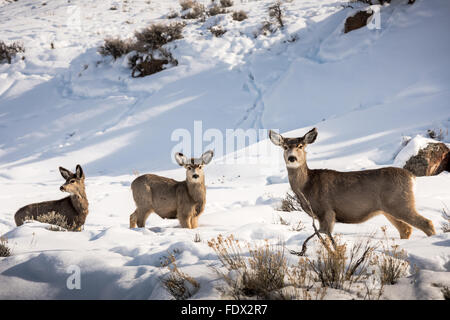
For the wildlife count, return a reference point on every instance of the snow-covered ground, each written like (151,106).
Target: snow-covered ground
(365,91)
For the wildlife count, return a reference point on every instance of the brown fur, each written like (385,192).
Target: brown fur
(169,198)
(352,197)
(74,207)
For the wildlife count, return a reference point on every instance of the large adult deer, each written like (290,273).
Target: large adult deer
(73,208)
(351,197)
(169,198)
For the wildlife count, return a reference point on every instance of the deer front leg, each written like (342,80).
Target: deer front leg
(185,217)
(327,221)
(194,222)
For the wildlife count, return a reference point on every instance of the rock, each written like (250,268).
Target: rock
(357,21)
(430,161)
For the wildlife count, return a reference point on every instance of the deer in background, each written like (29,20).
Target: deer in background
(169,198)
(351,197)
(74,207)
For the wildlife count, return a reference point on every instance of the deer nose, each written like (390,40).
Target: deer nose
(195,176)
(292,159)
(61,188)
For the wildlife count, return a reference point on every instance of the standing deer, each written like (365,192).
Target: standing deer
(351,197)
(73,208)
(169,198)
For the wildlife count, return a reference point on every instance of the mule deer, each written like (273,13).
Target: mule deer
(351,197)
(74,207)
(169,198)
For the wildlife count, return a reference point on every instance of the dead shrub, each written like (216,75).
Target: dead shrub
(57,221)
(8,52)
(339,268)
(116,47)
(276,13)
(5,251)
(143,65)
(193,9)
(172,15)
(445,225)
(217,31)
(226,3)
(446,292)
(289,203)
(157,35)
(179,284)
(392,264)
(215,10)
(239,15)
(437,134)
(260,275)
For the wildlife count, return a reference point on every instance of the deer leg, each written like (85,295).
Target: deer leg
(403,228)
(185,222)
(416,220)
(194,222)
(142,217)
(327,221)
(133,220)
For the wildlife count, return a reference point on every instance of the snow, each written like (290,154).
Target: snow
(365,91)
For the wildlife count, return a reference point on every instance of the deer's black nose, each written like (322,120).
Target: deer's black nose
(195,176)
(61,188)
(292,159)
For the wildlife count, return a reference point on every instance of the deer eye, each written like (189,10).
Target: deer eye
(285,147)
(72,181)
(300,146)
(189,168)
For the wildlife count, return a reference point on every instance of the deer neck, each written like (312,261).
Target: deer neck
(197,191)
(80,203)
(298,177)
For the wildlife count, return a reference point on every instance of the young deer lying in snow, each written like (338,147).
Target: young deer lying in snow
(169,198)
(351,197)
(74,207)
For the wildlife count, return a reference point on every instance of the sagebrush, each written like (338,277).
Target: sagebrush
(179,284)
(5,251)
(8,52)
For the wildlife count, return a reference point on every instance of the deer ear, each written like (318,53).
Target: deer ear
(180,158)
(66,174)
(207,156)
(79,172)
(310,136)
(276,138)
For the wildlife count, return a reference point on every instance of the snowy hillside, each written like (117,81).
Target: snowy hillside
(366,91)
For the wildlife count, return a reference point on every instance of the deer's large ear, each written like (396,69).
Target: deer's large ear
(276,138)
(310,136)
(207,156)
(79,172)
(66,174)
(180,158)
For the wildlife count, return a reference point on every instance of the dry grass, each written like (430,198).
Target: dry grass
(194,9)
(143,65)
(445,226)
(157,35)
(339,268)
(392,264)
(57,221)
(179,284)
(446,292)
(215,10)
(239,15)
(197,238)
(437,134)
(116,47)
(5,251)
(276,13)
(217,31)
(226,3)
(263,273)
(290,203)
(8,52)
